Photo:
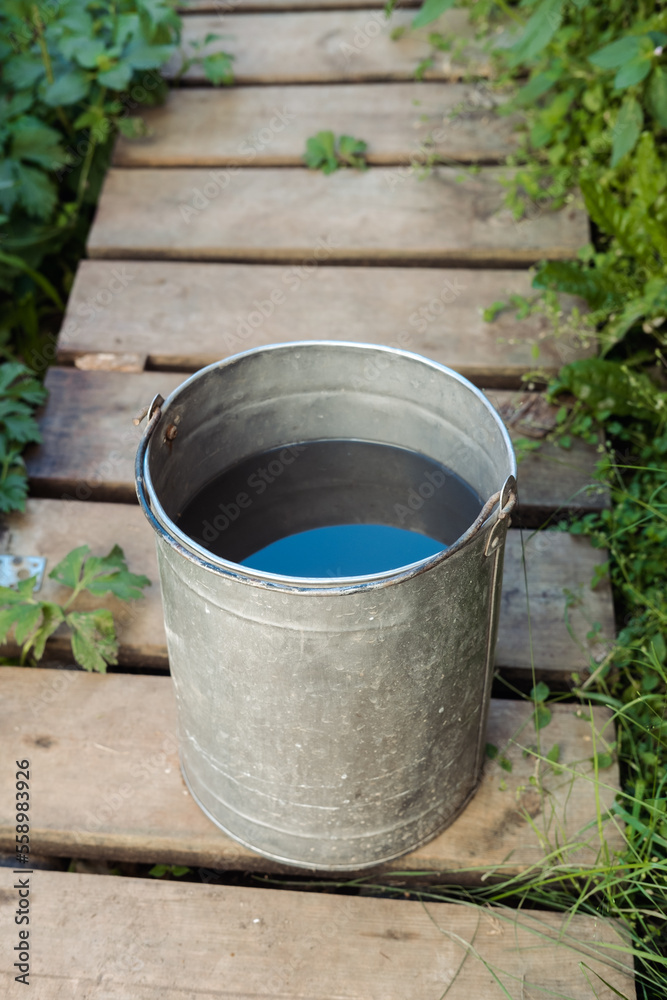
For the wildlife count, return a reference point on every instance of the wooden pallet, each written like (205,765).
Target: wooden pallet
(121,938)
(169,290)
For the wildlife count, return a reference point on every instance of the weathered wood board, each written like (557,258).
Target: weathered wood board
(106,782)
(245,6)
(183,315)
(328,46)
(554,560)
(302,217)
(89,443)
(124,937)
(401,123)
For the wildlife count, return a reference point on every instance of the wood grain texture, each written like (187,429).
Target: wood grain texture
(123,937)
(89,443)
(182,315)
(301,217)
(106,782)
(268,126)
(246,6)
(554,560)
(330,46)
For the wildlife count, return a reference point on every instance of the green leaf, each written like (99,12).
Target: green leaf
(158,871)
(52,617)
(28,617)
(540,692)
(320,152)
(22,72)
(37,193)
(491,751)
(89,52)
(506,764)
(632,73)
(627,129)
(538,32)
(132,127)
(9,188)
(431,11)
(67,89)
(94,642)
(142,55)
(109,575)
(117,78)
(656,96)
(218,69)
(574,278)
(618,53)
(351,151)
(536,87)
(603,759)
(12,260)
(541,716)
(18,594)
(13,490)
(33,140)
(68,570)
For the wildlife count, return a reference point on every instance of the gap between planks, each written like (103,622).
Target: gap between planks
(330,46)
(292,215)
(123,315)
(106,783)
(126,937)
(401,123)
(555,561)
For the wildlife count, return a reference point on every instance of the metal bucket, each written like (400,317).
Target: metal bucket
(329,723)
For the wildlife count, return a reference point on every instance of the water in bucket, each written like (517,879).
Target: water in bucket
(331,508)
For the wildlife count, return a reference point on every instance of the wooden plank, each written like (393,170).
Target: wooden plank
(106,782)
(300,216)
(89,444)
(330,46)
(182,315)
(245,6)
(268,126)
(124,937)
(554,561)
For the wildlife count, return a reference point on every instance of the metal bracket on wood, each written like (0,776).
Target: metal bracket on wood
(15,569)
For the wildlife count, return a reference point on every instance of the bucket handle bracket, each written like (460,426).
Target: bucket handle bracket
(507,498)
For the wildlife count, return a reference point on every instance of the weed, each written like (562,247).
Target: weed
(326,153)
(92,633)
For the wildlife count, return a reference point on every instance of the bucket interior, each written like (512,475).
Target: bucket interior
(275,397)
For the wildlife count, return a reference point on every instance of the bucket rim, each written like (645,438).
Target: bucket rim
(187,547)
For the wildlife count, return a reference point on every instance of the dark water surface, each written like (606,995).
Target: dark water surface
(331,509)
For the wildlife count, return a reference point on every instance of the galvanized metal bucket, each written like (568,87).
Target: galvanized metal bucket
(329,723)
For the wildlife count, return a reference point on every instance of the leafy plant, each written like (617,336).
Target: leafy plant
(92,633)
(20,393)
(590,83)
(217,66)
(75,73)
(326,153)
(173,871)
